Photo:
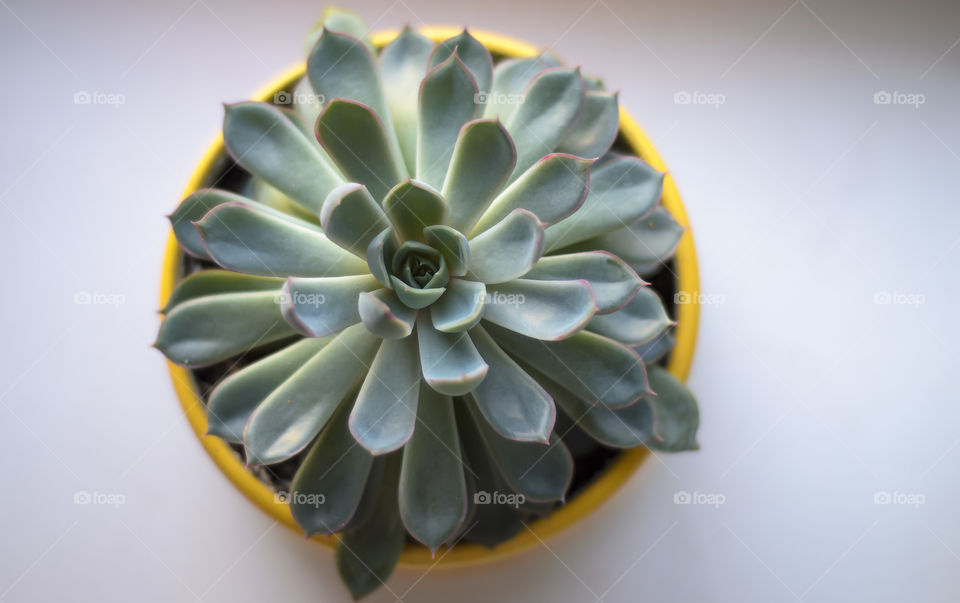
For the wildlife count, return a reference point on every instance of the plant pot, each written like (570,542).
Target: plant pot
(602,486)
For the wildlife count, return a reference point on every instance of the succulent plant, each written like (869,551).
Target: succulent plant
(432,253)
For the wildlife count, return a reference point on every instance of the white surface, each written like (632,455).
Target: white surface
(807,200)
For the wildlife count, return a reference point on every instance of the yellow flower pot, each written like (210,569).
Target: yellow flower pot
(602,487)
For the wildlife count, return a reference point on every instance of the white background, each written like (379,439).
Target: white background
(807,201)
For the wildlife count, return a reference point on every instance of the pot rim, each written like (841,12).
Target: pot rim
(593,496)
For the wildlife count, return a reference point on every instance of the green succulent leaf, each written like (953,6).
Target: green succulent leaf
(385,412)
(510,78)
(473,53)
(320,306)
(357,139)
(235,398)
(540,472)
(351,218)
(367,555)
(343,21)
(507,250)
(541,309)
(597,127)
(510,400)
(328,487)
(448,100)
(613,282)
(342,67)
(203,331)
(551,105)
(296,411)
(452,244)
(192,209)
(215,282)
(403,64)
(412,206)
(250,238)
(413,297)
(593,367)
(554,188)
(433,490)
(450,362)
(379,252)
(642,319)
(261,191)
(460,308)
(622,190)
(649,241)
(656,349)
(677,414)
(385,315)
(482,161)
(268,142)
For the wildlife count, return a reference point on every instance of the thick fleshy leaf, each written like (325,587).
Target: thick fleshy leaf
(540,309)
(593,367)
(540,472)
(472,52)
(320,306)
(412,206)
(656,348)
(621,190)
(351,218)
(448,100)
(385,412)
(597,127)
(329,485)
(342,67)
(452,244)
(553,189)
(385,315)
(403,65)
(551,105)
(613,282)
(258,189)
(203,331)
(677,414)
(235,398)
(642,319)
(296,411)
(413,297)
(358,141)
(508,250)
(511,401)
(193,208)
(623,428)
(460,307)
(651,240)
(482,161)
(267,142)
(341,20)
(215,282)
(433,491)
(251,238)
(449,361)
(367,555)
(380,254)
(510,78)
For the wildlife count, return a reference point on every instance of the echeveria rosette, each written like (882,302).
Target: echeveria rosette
(439,255)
